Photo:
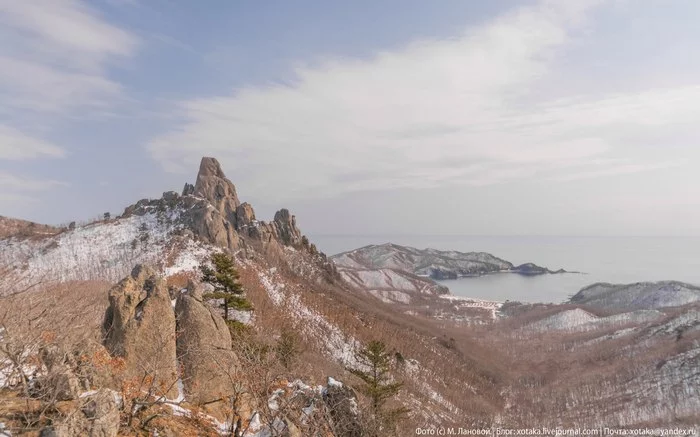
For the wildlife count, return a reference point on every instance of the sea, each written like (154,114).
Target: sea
(616,260)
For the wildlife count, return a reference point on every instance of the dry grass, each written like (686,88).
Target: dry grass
(17,228)
(450,359)
(569,378)
(466,376)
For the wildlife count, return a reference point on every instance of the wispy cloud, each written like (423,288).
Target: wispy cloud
(21,191)
(437,112)
(14,145)
(54,61)
(26,184)
(54,55)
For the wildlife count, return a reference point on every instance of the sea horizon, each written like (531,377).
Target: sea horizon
(609,259)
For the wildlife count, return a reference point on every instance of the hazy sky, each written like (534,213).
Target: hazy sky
(576,117)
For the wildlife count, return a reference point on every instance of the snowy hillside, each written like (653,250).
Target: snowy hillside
(642,295)
(105,250)
(580,320)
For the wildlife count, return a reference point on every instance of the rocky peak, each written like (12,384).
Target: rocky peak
(213,185)
(211,210)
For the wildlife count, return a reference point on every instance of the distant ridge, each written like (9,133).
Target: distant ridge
(433,263)
(637,296)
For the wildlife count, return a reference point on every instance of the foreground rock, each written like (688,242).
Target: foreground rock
(341,402)
(97,416)
(432,263)
(139,326)
(204,350)
(638,296)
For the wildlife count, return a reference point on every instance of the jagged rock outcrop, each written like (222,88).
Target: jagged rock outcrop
(188,189)
(210,225)
(139,326)
(212,211)
(286,229)
(245,216)
(204,349)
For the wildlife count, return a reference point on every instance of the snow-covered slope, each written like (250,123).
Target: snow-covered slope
(581,320)
(391,285)
(565,320)
(104,250)
(642,295)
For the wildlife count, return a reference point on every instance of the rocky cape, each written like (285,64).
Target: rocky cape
(432,263)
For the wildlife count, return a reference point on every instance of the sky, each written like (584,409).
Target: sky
(368,117)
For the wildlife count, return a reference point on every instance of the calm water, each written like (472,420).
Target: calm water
(603,259)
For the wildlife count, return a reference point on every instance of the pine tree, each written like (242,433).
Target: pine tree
(377,386)
(287,349)
(225,279)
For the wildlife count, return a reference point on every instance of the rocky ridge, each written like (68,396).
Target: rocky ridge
(174,233)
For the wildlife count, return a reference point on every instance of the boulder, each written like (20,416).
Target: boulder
(59,383)
(170,197)
(139,326)
(341,403)
(97,416)
(64,384)
(204,348)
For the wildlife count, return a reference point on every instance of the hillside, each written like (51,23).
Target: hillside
(641,295)
(291,285)
(10,227)
(86,311)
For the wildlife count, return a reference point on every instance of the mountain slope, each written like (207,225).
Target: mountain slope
(291,285)
(463,363)
(641,295)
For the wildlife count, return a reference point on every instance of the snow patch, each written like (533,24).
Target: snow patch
(336,344)
(332,382)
